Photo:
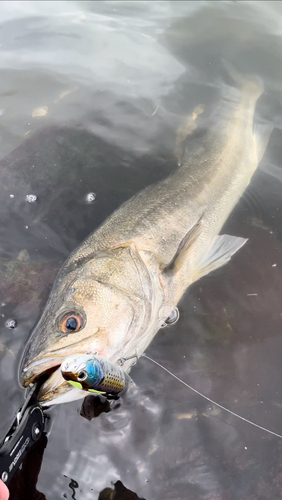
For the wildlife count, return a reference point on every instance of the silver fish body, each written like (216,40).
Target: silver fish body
(118,287)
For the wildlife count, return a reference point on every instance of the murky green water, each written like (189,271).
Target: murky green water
(91,95)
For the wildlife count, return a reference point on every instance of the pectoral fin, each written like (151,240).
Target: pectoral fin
(184,248)
(220,252)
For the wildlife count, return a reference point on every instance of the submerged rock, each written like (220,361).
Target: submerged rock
(23,282)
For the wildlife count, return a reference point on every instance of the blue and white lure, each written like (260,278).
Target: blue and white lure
(94,374)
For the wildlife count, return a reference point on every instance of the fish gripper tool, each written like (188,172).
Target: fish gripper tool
(29,424)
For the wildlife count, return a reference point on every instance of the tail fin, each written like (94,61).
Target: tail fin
(252,84)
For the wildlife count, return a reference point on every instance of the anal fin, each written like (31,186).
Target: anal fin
(220,252)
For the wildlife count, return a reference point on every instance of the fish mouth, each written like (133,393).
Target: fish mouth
(48,362)
(35,370)
(53,388)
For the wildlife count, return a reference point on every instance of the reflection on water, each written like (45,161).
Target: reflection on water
(91,96)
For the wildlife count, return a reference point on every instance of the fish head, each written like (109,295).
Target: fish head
(88,312)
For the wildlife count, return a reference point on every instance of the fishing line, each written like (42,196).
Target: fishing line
(210,400)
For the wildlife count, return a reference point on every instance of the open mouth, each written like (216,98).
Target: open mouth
(47,373)
(52,388)
(42,368)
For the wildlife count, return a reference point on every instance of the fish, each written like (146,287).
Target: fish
(94,374)
(122,284)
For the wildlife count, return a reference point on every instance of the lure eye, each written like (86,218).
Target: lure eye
(71,323)
(82,376)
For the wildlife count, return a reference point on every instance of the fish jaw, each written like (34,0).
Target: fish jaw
(32,371)
(68,394)
(56,390)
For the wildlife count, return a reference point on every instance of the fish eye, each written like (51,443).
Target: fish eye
(82,376)
(71,322)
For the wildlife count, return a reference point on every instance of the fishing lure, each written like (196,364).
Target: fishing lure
(94,374)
